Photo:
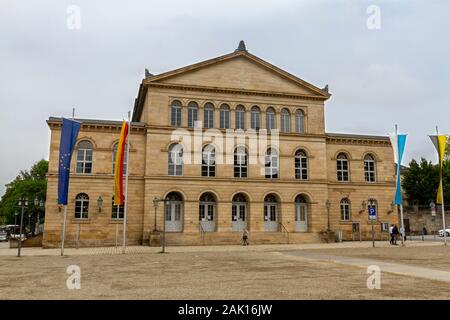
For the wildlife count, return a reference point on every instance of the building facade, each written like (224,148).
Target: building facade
(229,143)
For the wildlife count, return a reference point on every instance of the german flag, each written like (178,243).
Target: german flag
(118,168)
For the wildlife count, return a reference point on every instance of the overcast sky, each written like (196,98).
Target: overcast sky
(399,73)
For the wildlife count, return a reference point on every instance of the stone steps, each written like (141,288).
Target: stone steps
(230,238)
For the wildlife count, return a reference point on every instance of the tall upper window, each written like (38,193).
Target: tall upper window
(255,115)
(209,161)
(240,162)
(175,163)
(224,116)
(117,212)
(285,121)
(192,113)
(81,206)
(301,165)
(271,165)
(84,157)
(240,117)
(270,119)
(345,209)
(300,121)
(342,167)
(125,160)
(209,115)
(175,113)
(369,168)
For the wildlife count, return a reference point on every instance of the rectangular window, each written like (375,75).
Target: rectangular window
(192,117)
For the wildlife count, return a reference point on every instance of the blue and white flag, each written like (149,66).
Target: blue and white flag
(69,134)
(398,142)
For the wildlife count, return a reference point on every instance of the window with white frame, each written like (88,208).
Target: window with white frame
(240,117)
(301,165)
(117,211)
(175,114)
(285,121)
(209,161)
(224,116)
(84,157)
(342,167)
(192,114)
(175,161)
(345,210)
(255,116)
(208,119)
(81,206)
(240,162)
(369,168)
(271,165)
(270,119)
(300,121)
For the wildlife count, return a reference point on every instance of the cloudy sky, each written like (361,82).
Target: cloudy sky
(399,73)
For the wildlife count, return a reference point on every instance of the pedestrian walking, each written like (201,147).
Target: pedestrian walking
(396,233)
(391,234)
(245,237)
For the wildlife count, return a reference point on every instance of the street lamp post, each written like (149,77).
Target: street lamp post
(39,204)
(155,205)
(15,222)
(23,202)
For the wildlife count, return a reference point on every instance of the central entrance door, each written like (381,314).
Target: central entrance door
(271,213)
(173,212)
(207,212)
(301,214)
(239,215)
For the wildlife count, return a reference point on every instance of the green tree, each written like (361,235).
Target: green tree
(421,181)
(29,184)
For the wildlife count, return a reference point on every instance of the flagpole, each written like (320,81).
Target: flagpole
(401,204)
(126,185)
(442,192)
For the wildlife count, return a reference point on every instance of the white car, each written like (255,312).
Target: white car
(441,232)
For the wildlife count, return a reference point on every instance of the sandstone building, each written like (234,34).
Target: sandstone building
(196,142)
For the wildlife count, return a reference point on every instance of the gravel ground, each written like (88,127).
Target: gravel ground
(237,274)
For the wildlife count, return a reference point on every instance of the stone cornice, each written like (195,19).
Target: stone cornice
(98,125)
(235,91)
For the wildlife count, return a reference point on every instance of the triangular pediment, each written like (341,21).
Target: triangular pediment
(239,71)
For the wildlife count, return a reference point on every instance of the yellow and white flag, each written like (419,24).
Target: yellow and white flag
(440,143)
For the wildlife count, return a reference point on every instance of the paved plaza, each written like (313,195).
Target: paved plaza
(421,270)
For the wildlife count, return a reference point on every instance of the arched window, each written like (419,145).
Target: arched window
(209,161)
(369,168)
(125,159)
(345,209)
(342,167)
(285,121)
(117,212)
(84,157)
(240,117)
(255,115)
(300,121)
(271,166)
(239,212)
(175,114)
(175,163)
(192,113)
(224,116)
(301,165)
(81,206)
(270,119)
(173,212)
(240,162)
(209,115)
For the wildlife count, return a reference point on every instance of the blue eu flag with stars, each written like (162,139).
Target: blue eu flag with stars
(69,134)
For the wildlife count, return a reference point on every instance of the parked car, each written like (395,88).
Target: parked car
(441,232)
(4,236)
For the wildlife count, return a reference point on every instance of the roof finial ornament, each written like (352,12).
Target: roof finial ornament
(241,46)
(325,89)
(147,73)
